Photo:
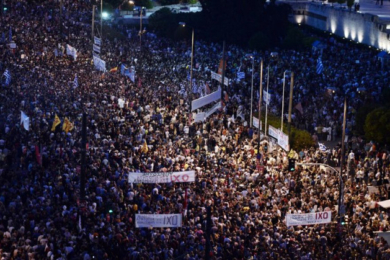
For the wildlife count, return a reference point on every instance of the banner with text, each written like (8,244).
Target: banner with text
(308,219)
(256,123)
(96,48)
(158,220)
(218,77)
(212,110)
(97,41)
(272,131)
(199,117)
(71,51)
(200,102)
(283,141)
(161,177)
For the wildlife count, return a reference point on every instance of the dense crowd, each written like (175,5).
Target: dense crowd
(152,132)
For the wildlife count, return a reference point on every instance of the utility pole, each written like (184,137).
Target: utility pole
(290,107)
(140,29)
(251,115)
(101,22)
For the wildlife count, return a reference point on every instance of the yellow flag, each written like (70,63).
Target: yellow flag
(145,148)
(67,125)
(56,122)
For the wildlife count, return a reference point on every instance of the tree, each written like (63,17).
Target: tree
(163,22)
(350,3)
(294,38)
(377,125)
(341,2)
(259,41)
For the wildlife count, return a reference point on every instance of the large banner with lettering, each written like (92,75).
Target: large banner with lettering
(161,177)
(218,77)
(256,123)
(157,220)
(200,102)
(308,219)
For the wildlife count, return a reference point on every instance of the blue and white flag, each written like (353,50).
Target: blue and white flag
(10,34)
(240,75)
(75,82)
(322,147)
(7,76)
(25,121)
(320,67)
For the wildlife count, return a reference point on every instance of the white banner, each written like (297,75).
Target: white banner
(266,97)
(199,117)
(97,40)
(308,219)
(161,177)
(272,131)
(99,63)
(158,220)
(213,109)
(200,102)
(71,51)
(96,48)
(283,141)
(218,77)
(256,123)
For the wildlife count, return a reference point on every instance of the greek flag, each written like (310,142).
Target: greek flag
(322,147)
(75,82)
(7,76)
(320,67)
(240,75)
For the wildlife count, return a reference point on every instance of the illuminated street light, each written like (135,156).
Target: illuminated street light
(105,15)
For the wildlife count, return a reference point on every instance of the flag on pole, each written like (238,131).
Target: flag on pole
(320,67)
(299,108)
(7,76)
(114,69)
(67,125)
(56,122)
(25,121)
(322,147)
(145,148)
(38,156)
(75,81)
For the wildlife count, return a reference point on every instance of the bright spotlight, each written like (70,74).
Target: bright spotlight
(105,15)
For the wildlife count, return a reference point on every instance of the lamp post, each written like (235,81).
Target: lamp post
(189,92)
(101,22)
(260,100)
(140,27)
(290,106)
(284,84)
(253,68)
(341,208)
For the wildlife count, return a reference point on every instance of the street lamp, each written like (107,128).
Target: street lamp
(183,24)
(253,69)
(266,104)
(284,83)
(140,27)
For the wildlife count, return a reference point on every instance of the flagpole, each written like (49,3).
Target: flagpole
(266,105)
(93,23)
(290,107)
(253,68)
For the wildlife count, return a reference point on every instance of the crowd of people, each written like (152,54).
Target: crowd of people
(41,216)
